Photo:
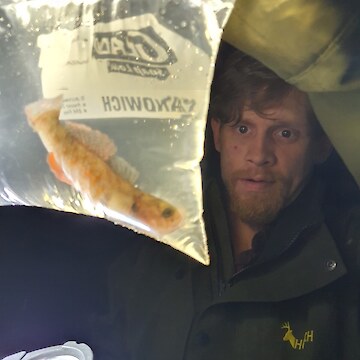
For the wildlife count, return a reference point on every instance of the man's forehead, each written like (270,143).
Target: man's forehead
(292,109)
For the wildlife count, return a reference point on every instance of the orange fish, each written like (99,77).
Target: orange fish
(101,145)
(74,161)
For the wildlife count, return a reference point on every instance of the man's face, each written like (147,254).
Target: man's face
(265,161)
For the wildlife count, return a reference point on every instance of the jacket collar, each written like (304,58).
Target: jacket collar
(291,263)
(302,214)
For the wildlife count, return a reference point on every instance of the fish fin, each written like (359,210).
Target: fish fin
(93,139)
(56,169)
(124,169)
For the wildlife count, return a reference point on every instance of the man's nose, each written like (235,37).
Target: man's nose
(260,151)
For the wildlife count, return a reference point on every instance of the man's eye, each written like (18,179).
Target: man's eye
(286,133)
(243,129)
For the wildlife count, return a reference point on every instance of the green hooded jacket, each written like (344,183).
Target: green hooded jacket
(300,298)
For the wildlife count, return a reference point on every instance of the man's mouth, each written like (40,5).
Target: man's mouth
(257,180)
(256,183)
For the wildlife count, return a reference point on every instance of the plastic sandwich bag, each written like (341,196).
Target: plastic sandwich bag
(103,110)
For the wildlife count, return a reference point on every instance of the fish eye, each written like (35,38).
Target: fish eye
(168,212)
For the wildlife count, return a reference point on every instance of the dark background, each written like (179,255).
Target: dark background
(53,276)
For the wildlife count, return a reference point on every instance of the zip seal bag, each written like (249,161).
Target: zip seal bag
(115,96)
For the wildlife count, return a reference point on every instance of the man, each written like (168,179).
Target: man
(269,142)
(284,242)
(277,286)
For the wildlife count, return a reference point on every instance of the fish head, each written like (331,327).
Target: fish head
(159,215)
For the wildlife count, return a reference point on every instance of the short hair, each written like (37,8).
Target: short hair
(240,81)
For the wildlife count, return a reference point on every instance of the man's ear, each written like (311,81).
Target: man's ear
(215,126)
(324,148)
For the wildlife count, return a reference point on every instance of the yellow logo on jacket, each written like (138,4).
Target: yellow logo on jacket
(297,344)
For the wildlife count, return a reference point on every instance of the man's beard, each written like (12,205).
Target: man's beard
(257,208)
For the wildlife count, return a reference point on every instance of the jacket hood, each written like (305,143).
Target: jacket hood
(313,45)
